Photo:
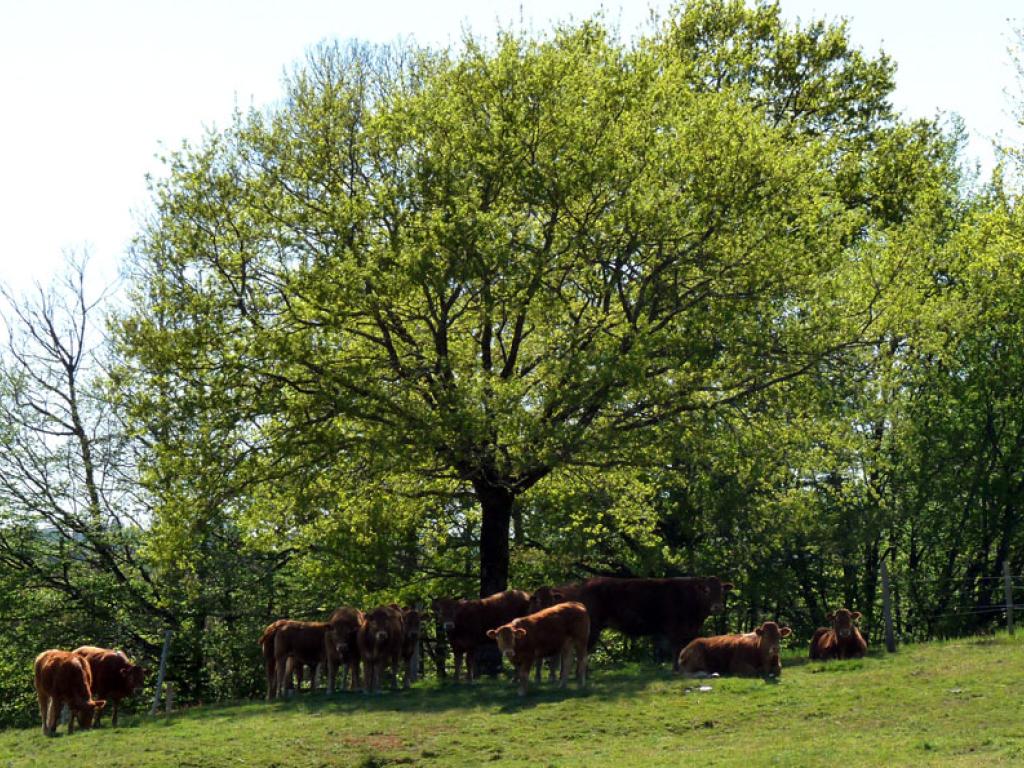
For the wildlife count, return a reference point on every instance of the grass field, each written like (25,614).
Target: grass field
(957,703)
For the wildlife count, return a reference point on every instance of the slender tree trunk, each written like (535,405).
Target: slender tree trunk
(496,505)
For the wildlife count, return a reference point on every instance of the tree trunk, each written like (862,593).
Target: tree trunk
(496,506)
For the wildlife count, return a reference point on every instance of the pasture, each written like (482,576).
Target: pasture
(952,703)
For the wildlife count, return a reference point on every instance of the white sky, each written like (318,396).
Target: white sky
(91,91)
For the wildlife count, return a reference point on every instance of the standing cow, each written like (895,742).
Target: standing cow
(412,630)
(64,678)
(558,630)
(840,641)
(466,622)
(298,644)
(380,644)
(676,607)
(114,677)
(752,654)
(343,635)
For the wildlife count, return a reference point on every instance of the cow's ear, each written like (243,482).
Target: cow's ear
(518,631)
(785,632)
(830,616)
(492,633)
(855,615)
(99,704)
(759,631)
(727,585)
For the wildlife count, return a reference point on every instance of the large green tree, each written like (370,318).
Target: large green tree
(449,274)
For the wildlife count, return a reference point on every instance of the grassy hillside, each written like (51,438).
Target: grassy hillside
(958,703)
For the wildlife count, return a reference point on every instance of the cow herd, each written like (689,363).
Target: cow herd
(554,623)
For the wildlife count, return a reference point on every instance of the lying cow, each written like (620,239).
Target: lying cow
(466,622)
(380,645)
(675,607)
(343,634)
(752,654)
(64,678)
(114,677)
(560,629)
(840,641)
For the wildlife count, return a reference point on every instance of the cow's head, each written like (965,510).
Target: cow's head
(134,676)
(770,636)
(444,609)
(843,621)
(412,621)
(506,637)
(545,597)
(714,590)
(88,712)
(341,634)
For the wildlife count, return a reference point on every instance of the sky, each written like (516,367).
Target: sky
(93,92)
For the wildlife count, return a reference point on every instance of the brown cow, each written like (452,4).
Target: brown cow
(113,676)
(466,622)
(560,629)
(343,634)
(752,654)
(64,678)
(412,629)
(676,607)
(380,643)
(842,641)
(266,642)
(544,597)
(298,644)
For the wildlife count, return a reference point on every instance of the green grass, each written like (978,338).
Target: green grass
(957,703)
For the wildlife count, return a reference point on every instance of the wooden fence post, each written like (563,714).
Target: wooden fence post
(890,637)
(1008,594)
(160,674)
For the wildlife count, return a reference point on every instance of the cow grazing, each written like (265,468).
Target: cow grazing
(752,654)
(380,640)
(298,644)
(64,678)
(466,622)
(114,677)
(675,607)
(840,641)
(343,634)
(560,629)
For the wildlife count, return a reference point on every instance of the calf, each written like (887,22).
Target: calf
(343,635)
(752,654)
(842,641)
(560,629)
(113,676)
(466,622)
(545,597)
(64,678)
(380,643)
(298,644)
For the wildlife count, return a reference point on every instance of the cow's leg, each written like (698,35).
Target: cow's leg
(458,663)
(113,715)
(565,657)
(72,714)
(523,673)
(581,664)
(44,710)
(472,670)
(271,678)
(317,674)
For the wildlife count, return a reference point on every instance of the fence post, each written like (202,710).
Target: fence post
(1008,594)
(160,674)
(890,638)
